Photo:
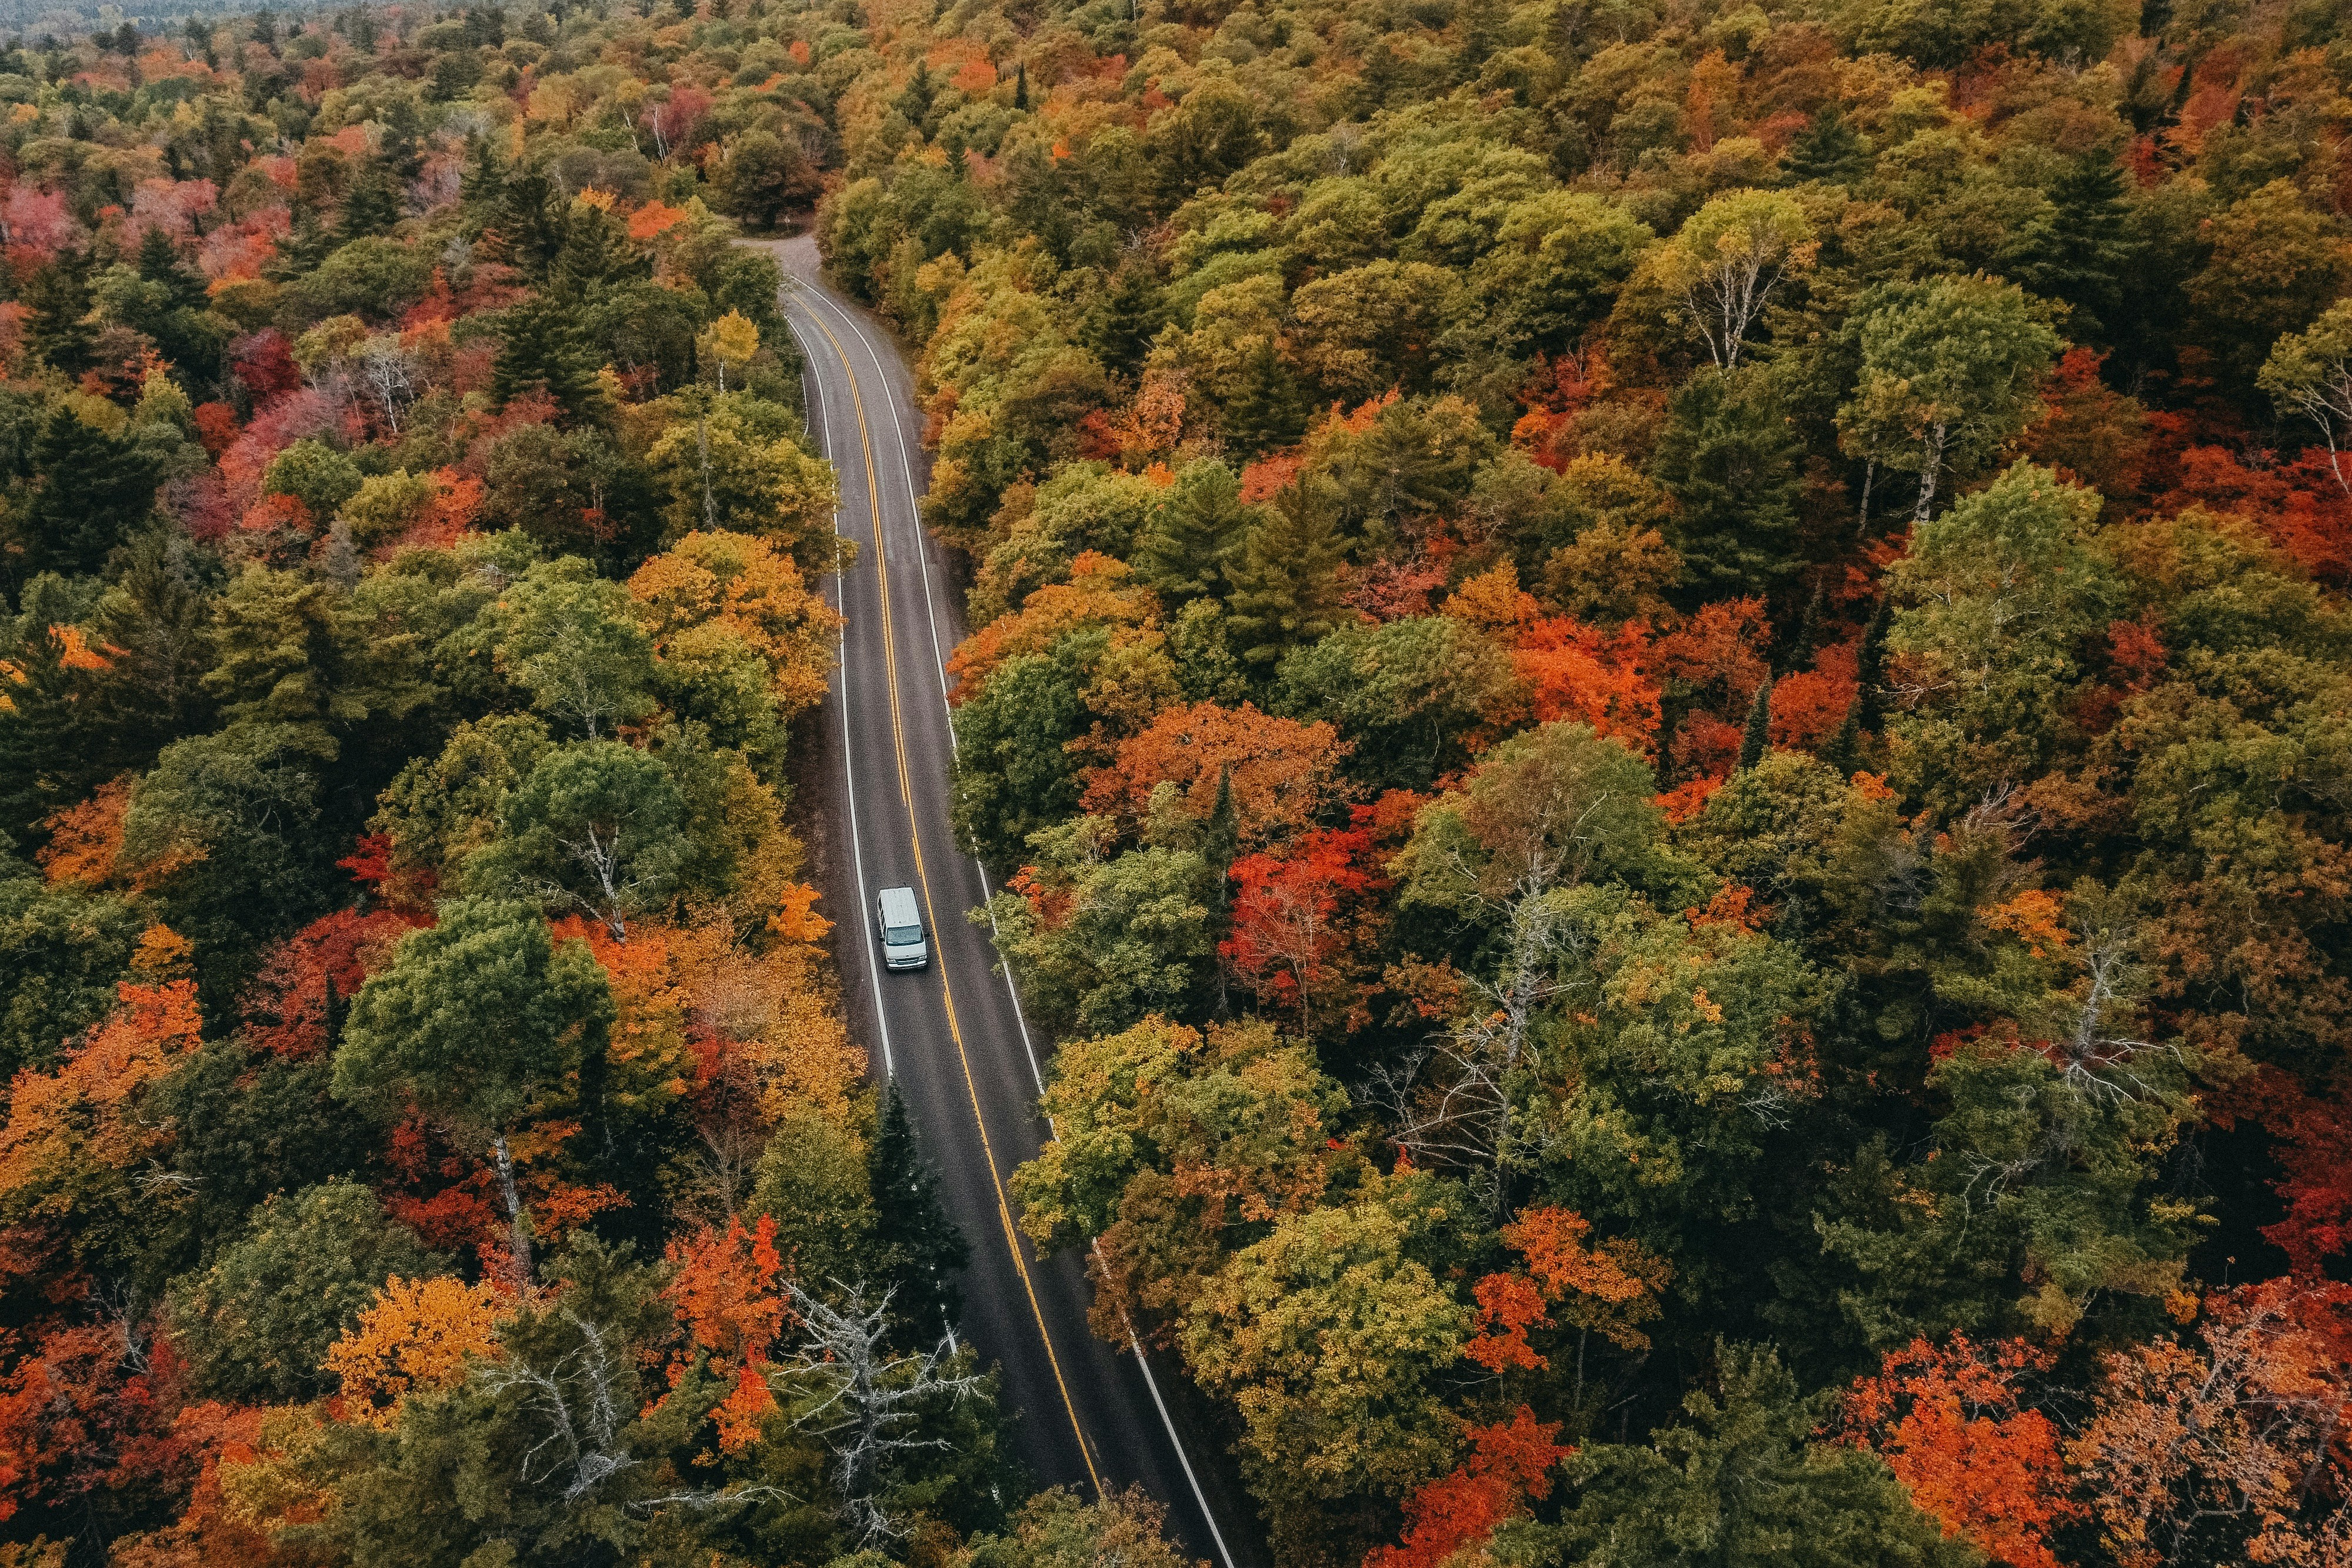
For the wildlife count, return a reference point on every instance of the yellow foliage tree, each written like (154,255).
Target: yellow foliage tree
(420,1334)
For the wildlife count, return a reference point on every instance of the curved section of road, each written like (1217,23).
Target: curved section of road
(952,1036)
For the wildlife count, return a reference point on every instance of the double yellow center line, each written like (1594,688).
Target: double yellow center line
(915,836)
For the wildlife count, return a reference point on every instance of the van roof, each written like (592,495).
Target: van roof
(899,906)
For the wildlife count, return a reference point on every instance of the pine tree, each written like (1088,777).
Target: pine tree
(2096,246)
(542,350)
(1757,738)
(1828,149)
(1121,329)
(1735,471)
(924,1248)
(372,207)
(1286,586)
(482,188)
(1870,670)
(57,327)
(915,103)
(1266,411)
(93,492)
(1843,752)
(1021,87)
(1194,531)
(527,229)
(160,262)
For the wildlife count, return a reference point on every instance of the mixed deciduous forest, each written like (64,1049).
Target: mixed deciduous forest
(1663,690)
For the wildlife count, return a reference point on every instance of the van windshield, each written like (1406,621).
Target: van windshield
(902,936)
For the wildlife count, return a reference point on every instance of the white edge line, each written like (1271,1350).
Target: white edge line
(841,663)
(905,469)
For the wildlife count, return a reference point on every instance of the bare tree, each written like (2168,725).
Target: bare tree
(581,1403)
(867,1403)
(388,372)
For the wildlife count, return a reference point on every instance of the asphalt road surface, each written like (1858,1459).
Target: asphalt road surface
(952,1036)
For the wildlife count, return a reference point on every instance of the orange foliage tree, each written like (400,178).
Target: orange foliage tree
(1948,1422)
(1565,669)
(1610,1288)
(1283,771)
(288,1007)
(419,1333)
(725,1297)
(1299,917)
(2233,1450)
(1098,594)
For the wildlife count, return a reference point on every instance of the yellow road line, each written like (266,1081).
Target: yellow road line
(914,834)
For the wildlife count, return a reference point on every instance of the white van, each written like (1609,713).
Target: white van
(901,930)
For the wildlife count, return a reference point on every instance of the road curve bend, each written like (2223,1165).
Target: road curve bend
(952,1036)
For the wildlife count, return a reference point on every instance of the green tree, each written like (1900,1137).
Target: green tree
(1950,370)
(56,325)
(1724,265)
(599,827)
(540,351)
(1742,1483)
(1011,774)
(1286,581)
(2001,591)
(739,465)
(1735,470)
(256,1325)
(1199,523)
(573,641)
(762,174)
(62,948)
(1331,1336)
(93,492)
(477,1020)
(1110,939)
(1266,410)
(1407,693)
(921,1245)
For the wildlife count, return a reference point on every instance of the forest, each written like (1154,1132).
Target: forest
(1663,688)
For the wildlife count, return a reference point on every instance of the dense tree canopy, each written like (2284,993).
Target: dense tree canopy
(1660,690)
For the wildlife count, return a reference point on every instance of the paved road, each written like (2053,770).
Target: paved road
(953,1036)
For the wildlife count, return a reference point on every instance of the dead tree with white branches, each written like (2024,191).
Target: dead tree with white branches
(868,1404)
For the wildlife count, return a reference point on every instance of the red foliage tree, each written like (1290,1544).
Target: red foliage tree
(1509,1464)
(1297,917)
(307,977)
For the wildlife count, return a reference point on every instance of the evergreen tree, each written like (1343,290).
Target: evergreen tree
(1734,470)
(1828,151)
(527,229)
(373,206)
(1757,738)
(1122,328)
(56,328)
(1286,585)
(915,102)
(1193,533)
(160,262)
(541,351)
(1021,87)
(1742,1483)
(924,1248)
(93,490)
(1266,411)
(401,156)
(482,188)
(2097,247)
(597,252)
